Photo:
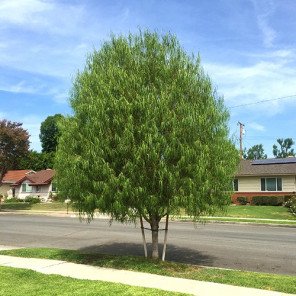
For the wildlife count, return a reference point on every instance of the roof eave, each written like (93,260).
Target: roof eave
(267,174)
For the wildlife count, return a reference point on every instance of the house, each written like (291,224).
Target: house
(39,184)
(276,177)
(10,178)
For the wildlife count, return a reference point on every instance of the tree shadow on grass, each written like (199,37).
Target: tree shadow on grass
(173,253)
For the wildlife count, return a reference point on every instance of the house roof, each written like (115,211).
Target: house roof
(41,177)
(269,167)
(14,176)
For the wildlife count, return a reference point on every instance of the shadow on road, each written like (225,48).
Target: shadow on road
(173,253)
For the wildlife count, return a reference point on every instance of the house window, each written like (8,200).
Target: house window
(235,185)
(26,187)
(271,184)
(54,187)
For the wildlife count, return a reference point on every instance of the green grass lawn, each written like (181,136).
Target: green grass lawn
(265,281)
(263,212)
(15,282)
(249,214)
(54,206)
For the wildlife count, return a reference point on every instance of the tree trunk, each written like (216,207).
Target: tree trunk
(143,237)
(154,228)
(165,237)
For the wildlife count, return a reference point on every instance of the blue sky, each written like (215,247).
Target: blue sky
(248,48)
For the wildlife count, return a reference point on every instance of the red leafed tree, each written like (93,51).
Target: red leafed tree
(14,145)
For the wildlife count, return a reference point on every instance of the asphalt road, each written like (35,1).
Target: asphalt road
(245,247)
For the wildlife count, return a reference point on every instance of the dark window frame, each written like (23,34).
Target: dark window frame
(267,185)
(235,184)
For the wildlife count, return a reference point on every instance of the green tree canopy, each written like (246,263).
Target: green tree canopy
(14,144)
(285,148)
(148,134)
(255,152)
(37,161)
(49,133)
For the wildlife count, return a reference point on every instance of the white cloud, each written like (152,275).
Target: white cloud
(275,54)
(264,10)
(264,80)
(20,12)
(256,126)
(43,16)
(21,87)
(269,34)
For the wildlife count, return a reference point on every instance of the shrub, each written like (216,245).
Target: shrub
(32,199)
(288,197)
(242,200)
(268,200)
(58,197)
(291,204)
(12,200)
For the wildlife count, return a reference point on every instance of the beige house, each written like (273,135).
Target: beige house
(265,177)
(12,177)
(20,184)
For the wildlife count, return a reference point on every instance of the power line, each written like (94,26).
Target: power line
(263,101)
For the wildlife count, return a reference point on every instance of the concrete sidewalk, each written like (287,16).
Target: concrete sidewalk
(87,272)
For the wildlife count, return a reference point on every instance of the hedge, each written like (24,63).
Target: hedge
(242,200)
(268,200)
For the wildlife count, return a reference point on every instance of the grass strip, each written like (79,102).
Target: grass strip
(54,206)
(246,220)
(281,283)
(34,283)
(262,212)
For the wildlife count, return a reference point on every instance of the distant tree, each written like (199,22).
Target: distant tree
(14,145)
(285,148)
(255,152)
(49,133)
(37,161)
(148,135)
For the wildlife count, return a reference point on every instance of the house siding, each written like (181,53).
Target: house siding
(289,183)
(42,193)
(251,186)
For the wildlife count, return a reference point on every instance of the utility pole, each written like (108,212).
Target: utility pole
(241,132)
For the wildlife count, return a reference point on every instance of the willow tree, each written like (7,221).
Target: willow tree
(148,135)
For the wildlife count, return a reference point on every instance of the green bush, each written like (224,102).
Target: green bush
(242,200)
(291,204)
(288,197)
(32,199)
(56,197)
(13,200)
(268,200)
